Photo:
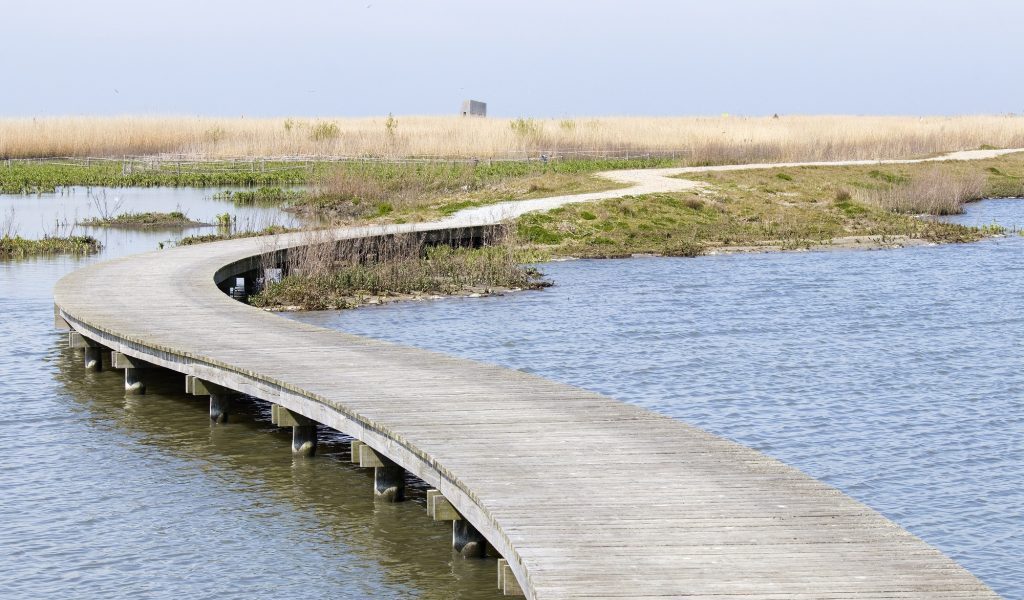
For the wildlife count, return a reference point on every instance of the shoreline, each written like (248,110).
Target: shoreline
(867,243)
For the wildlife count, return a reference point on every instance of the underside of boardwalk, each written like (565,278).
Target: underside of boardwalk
(582,495)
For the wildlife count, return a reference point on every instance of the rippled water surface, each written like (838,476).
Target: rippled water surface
(108,496)
(896,376)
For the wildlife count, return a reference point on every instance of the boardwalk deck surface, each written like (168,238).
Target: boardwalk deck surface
(585,496)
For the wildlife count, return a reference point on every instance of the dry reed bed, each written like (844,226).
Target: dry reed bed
(327,273)
(696,139)
(935,192)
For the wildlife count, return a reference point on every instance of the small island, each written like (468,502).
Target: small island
(19,247)
(144,220)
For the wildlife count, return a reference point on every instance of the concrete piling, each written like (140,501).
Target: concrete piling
(467,541)
(389,482)
(93,358)
(304,440)
(388,476)
(220,405)
(304,432)
(133,383)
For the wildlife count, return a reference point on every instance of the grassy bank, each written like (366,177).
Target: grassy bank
(142,220)
(400,272)
(409,192)
(714,140)
(786,208)
(41,177)
(18,247)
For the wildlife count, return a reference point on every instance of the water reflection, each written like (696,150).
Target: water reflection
(234,510)
(114,496)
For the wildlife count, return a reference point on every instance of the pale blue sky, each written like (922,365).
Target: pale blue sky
(525,58)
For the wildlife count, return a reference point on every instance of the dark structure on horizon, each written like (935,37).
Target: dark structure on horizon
(473,108)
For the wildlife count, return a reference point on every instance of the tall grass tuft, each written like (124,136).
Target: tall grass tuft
(325,274)
(936,192)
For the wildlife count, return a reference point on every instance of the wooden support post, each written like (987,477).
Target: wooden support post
(93,358)
(133,368)
(133,383)
(79,341)
(304,438)
(304,435)
(220,397)
(388,477)
(467,541)
(220,405)
(430,501)
(93,350)
(507,582)
(354,447)
(441,509)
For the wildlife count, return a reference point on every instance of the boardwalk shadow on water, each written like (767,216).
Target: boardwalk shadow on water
(180,505)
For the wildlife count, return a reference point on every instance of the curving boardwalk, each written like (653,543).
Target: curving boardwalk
(585,496)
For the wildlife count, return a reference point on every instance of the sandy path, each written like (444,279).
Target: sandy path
(654,181)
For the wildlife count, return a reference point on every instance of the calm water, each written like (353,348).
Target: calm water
(108,496)
(896,376)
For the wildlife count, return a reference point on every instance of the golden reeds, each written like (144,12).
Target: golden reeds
(935,192)
(697,140)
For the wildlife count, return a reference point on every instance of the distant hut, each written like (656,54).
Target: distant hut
(473,108)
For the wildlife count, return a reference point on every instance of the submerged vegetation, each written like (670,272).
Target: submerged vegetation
(142,220)
(18,247)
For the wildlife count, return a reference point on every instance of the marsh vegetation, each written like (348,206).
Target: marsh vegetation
(784,208)
(695,140)
(329,274)
(18,247)
(173,219)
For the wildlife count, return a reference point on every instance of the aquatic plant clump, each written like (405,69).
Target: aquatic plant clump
(18,247)
(318,281)
(142,220)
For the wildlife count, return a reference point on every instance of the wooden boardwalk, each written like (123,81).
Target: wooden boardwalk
(584,496)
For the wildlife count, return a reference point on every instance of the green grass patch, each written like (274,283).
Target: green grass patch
(217,237)
(18,247)
(261,196)
(142,220)
(757,209)
(39,177)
